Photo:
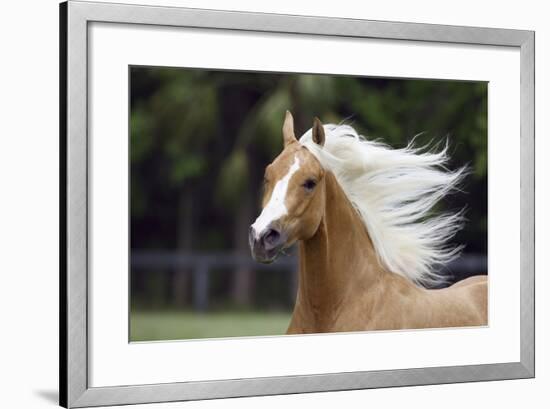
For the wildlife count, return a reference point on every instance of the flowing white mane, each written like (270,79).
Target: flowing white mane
(394,191)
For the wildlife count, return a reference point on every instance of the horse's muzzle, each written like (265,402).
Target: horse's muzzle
(267,245)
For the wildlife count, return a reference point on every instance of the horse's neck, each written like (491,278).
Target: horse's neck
(337,260)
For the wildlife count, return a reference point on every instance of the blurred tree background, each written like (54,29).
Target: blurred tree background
(199,143)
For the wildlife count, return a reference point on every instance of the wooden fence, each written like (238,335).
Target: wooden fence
(200,266)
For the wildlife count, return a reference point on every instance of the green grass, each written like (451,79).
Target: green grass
(171,325)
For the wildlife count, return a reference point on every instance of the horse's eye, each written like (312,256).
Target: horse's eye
(309,185)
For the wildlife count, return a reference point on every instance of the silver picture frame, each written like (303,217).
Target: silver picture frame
(75,16)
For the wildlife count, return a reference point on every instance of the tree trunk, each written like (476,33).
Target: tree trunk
(243,281)
(181,281)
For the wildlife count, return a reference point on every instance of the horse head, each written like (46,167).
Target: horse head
(294,196)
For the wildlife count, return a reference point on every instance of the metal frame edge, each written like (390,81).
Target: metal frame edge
(74,387)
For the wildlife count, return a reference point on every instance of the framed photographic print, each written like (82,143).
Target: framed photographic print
(257,204)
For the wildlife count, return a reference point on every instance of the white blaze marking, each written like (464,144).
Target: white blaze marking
(275,208)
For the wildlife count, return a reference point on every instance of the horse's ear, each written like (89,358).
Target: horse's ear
(318,132)
(288,129)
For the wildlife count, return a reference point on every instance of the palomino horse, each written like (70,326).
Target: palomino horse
(367,240)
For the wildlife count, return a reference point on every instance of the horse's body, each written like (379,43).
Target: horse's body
(344,285)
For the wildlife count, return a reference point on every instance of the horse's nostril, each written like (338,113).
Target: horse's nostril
(271,237)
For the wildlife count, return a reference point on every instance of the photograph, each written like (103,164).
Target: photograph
(272,203)
(281,204)
(256,205)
